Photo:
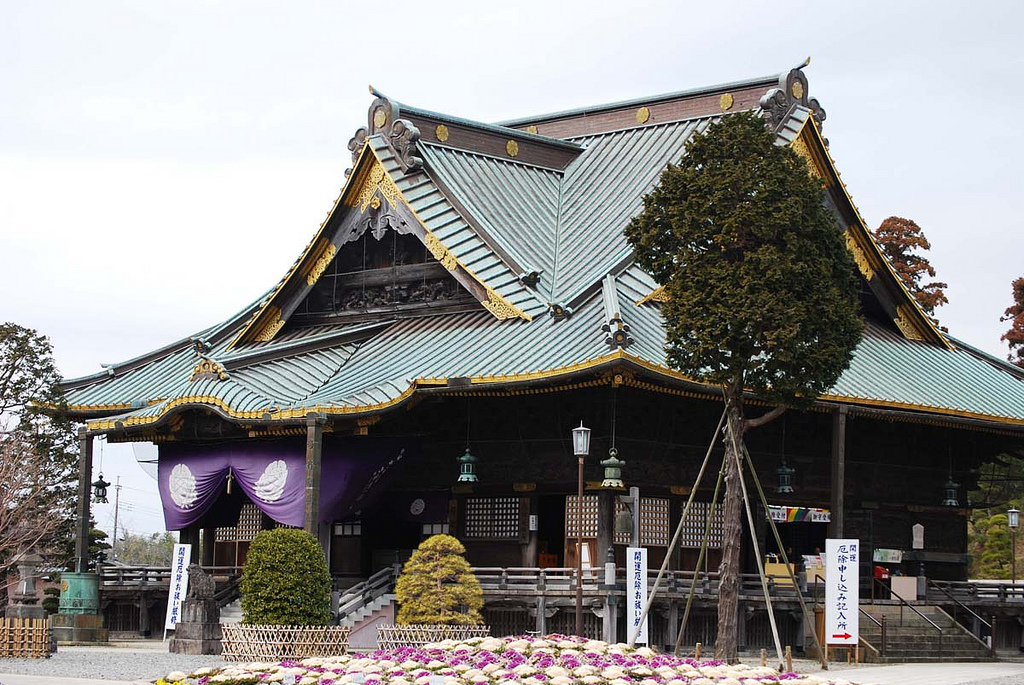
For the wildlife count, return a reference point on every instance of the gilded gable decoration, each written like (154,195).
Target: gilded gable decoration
(792,90)
(208,369)
(501,308)
(902,322)
(657,295)
(321,264)
(859,256)
(440,252)
(274,323)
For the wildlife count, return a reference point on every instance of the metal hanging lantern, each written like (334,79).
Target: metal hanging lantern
(613,470)
(467,468)
(99,490)
(1013,518)
(581,441)
(785,473)
(951,493)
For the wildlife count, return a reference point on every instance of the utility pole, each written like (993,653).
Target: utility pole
(117,507)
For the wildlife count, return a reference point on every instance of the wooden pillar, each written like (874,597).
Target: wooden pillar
(837,504)
(209,540)
(190,536)
(314,451)
(84,500)
(605,527)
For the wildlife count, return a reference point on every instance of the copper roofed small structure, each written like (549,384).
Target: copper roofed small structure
(472,284)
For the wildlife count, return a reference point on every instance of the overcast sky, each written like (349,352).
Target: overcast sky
(163,163)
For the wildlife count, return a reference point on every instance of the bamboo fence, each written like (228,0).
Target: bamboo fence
(243,642)
(395,636)
(25,637)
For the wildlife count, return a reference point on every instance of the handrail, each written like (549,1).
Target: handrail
(957,602)
(893,593)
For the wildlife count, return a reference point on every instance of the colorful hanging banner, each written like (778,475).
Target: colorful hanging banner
(783,514)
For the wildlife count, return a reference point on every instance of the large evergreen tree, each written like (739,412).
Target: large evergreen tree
(762,292)
(36,440)
(903,243)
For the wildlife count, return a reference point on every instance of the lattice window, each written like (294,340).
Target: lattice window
(349,529)
(250,522)
(588,516)
(495,518)
(435,529)
(654,522)
(696,520)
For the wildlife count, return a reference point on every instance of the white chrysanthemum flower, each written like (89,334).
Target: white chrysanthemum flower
(175,676)
(560,680)
(591,679)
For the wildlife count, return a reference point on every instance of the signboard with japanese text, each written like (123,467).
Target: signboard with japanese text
(179,584)
(636,591)
(842,591)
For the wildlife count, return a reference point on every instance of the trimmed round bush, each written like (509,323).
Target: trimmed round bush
(437,586)
(285,580)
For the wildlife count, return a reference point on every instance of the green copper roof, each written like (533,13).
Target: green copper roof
(500,217)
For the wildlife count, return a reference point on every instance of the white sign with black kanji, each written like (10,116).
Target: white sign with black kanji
(636,591)
(842,591)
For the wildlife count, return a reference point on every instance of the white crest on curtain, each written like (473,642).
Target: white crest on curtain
(182,485)
(270,486)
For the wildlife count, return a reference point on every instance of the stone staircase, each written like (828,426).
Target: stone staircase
(910,637)
(357,616)
(231,613)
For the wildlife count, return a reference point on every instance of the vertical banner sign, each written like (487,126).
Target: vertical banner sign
(636,590)
(842,592)
(179,585)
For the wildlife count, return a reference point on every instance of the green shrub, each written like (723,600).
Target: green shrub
(51,599)
(437,586)
(285,580)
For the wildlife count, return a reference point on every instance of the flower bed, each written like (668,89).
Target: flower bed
(553,660)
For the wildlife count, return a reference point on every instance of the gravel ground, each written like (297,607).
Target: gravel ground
(143,660)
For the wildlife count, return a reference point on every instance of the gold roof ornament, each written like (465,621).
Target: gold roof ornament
(208,369)
(512,148)
(441,132)
(643,115)
(725,102)
(532,129)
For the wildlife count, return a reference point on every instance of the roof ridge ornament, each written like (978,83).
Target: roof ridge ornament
(208,369)
(615,328)
(792,90)
(401,135)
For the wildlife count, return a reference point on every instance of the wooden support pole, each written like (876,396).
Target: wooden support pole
(209,539)
(789,659)
(764,658)
(314,453)
(838,471)
(696,651)
(84,500)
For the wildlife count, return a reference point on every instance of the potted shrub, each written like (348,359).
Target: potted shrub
(286,601)
(438,597)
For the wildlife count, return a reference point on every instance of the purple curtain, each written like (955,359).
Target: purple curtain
(193,478)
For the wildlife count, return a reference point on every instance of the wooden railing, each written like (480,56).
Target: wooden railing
(131,576)
(556,581)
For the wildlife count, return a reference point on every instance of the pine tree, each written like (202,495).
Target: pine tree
(762,292)
(437,586)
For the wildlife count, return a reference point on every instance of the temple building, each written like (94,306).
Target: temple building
(470,299)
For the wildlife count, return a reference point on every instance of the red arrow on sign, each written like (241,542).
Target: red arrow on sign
(844,636)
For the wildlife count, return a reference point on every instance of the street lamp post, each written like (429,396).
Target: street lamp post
(581,447)
(1013,520)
